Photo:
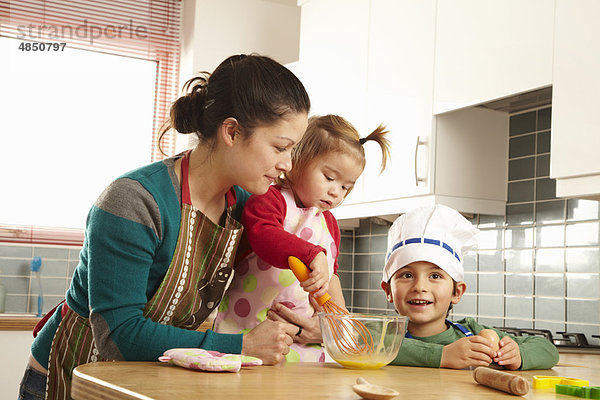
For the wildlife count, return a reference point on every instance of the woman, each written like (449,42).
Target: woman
(161,240)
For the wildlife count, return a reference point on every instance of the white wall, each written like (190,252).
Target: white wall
(14,353)
(216,29)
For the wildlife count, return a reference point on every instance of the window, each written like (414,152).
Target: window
(75,121)
(76,116)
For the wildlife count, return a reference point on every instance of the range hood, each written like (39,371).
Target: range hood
(523,101)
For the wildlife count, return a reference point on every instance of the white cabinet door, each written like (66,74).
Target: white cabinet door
(333,61)
(14,347)
(471,162)
(575,145)
(488,49)
(399,85)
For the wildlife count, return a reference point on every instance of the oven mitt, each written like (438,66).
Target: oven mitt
(206,360)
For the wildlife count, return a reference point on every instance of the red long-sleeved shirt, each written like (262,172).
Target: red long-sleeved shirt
(263,218)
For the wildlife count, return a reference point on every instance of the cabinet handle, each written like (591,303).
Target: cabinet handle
(420,141)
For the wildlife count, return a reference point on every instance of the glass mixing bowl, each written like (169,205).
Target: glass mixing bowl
(362,341)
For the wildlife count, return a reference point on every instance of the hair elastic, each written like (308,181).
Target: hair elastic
(362,140)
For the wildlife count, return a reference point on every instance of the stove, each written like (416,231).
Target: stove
(569,342)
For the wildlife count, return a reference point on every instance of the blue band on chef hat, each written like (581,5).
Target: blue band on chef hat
(426,241)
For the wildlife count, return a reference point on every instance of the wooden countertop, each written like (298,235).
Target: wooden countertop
(18,322)
(154,380)
(26,322)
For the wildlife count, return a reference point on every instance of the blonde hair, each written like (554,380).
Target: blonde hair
(333,134)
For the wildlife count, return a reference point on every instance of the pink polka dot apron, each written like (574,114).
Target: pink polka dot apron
(192,287)
(256,284)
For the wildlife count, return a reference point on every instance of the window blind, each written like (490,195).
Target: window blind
(142,29)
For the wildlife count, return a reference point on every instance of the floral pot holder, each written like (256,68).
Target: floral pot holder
(206,360)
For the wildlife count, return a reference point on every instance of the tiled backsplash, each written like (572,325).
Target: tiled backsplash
(537,267)
(361,260)
(58,264)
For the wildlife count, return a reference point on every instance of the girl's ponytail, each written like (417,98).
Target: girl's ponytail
(379,136)
(330,134)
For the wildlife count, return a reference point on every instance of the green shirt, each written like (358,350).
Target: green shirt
(536,352)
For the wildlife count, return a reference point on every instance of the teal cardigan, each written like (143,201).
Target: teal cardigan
(130,237)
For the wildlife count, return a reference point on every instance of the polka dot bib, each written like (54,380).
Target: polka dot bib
(256,284)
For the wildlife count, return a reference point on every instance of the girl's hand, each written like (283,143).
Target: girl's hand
(318,279)
(508,355)
(311,331)
(466,352)
(270,341)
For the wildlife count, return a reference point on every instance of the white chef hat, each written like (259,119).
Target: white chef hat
(437,234)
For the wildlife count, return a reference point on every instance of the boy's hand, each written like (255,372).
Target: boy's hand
(318,279)
(466,352)
(508,355)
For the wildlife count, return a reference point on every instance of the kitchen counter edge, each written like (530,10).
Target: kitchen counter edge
(16,322)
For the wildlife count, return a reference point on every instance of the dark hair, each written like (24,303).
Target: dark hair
(332,133)
(253,89)
(454,288)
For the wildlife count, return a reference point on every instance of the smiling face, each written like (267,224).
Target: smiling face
(325,181)
(260,158)
(423,292)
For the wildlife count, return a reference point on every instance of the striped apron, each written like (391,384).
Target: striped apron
(200,270)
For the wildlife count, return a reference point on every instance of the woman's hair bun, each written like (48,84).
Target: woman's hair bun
(186,112)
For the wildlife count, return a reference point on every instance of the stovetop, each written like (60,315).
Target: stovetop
(569,342)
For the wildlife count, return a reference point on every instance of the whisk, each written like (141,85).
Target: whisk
(351,336)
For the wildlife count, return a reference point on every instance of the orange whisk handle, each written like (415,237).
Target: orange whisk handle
(298,268)
(323,299)
(301,271)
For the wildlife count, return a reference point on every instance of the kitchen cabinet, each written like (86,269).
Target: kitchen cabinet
(575,101)
(399,86)
(488,49)
(333,60)
(14,347)
(471,160)
(373,62)
(468,150)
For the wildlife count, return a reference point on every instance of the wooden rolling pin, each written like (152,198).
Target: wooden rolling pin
(501,380)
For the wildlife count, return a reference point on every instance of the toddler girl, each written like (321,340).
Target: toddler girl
(293,219)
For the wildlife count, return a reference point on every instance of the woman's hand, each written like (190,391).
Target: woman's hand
(311,331)
(466,352)
(509,355)
(270,341)
(318,279)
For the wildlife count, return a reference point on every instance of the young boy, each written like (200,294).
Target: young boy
(423,278)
